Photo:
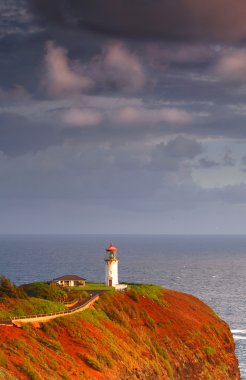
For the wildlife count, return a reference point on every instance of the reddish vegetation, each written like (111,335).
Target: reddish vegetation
(126,336)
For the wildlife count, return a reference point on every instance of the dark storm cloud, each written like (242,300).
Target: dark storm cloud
(214,20)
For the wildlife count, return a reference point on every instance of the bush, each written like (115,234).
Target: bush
(45,290)
(10,290)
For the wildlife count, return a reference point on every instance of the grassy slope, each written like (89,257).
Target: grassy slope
(10,307)
(146,333)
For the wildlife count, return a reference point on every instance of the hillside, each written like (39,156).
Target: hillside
(145,333)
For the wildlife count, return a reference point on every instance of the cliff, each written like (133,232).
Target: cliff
(145,333)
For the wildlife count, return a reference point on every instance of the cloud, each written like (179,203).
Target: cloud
(19,135)
(115,68)
(15,18)
(206,163)
(80,117)
(232,66)
(145,116)
(183,147)
(227,158)
(213,20)
(63,75)
(174,155)
(124,67)
(15,94)
(162,55)
(243,162)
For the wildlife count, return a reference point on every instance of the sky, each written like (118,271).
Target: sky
(123,116)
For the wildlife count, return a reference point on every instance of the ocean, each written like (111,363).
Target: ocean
(212,268)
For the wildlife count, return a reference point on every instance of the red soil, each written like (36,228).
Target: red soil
(179,339)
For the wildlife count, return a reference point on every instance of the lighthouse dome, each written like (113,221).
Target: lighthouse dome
(111,248)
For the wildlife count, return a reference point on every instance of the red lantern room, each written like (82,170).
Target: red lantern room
(112,250)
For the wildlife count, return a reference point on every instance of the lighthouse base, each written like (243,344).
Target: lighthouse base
(120,287)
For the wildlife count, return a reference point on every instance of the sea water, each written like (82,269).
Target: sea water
(212,268)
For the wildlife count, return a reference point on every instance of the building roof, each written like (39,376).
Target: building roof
(69,277)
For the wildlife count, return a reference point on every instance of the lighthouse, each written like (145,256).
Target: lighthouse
(111,266)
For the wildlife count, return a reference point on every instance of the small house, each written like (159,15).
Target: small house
(70,280)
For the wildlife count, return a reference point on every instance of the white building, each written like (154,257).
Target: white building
(111,266)
(70,280)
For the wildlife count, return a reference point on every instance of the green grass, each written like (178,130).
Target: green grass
(54,345)
(6,375)
(147,290)
(29,371)
(3,359)
(22,307)
(94,363)
(96,286)
(209,350)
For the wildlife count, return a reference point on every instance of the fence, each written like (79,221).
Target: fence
(48,316)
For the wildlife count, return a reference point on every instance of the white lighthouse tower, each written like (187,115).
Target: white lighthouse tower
(111,266)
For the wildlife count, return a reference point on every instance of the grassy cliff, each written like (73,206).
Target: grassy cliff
(145,333)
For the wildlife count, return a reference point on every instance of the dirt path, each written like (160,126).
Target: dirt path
(41,318)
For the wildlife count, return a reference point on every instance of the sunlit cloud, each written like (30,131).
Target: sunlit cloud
(143,116)
(81,118)
(62,75)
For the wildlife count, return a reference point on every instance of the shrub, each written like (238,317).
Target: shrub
(105,359)
(209,350)
(45,290)
(93,363)
(150,324)
(52,344)
(28,370)
(161,350)
(10,290)
(73,294)
(135,336)
(53,365)
(148,321)
(4,374)
(20,344)
(47,328)
(3,359)
(169,370)
(133,295)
